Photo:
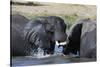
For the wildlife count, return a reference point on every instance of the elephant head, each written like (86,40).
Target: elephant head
(44,32)
(55,27)
(56,30)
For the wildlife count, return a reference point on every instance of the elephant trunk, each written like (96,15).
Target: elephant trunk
(60,36)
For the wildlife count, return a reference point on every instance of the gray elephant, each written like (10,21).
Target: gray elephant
(82,39)
(44,32)
(16,35)
(39,33)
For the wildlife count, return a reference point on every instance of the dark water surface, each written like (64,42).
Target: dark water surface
(54,59)
(40,59)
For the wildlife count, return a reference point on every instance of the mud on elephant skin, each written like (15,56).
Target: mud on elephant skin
(82,39)
(39,33)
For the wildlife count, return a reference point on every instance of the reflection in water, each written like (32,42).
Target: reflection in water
(54,59)
(39,59)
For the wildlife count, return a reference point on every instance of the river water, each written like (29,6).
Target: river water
(39,59)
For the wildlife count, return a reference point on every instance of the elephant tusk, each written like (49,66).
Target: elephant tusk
(62,43)
(57,43)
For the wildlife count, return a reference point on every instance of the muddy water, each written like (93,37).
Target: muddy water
(40,59)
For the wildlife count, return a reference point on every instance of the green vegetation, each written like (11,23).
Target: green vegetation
(69,12)
(69,19)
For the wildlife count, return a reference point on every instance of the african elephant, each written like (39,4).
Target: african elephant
(82,39)
(16,35)
(41,32)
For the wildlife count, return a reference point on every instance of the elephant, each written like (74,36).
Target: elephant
(16,35)
(82,39)
(42,32)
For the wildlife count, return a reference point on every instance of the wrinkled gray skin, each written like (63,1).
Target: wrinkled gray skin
(44,31)
(82,39)
(17,42)
(36,36)
(39,33)
(88,40)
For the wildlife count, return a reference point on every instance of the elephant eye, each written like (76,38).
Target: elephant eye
(50,32)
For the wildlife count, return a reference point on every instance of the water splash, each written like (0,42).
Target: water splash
(58,50)
(39,53)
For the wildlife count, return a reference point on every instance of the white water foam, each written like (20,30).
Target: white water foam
(40,54)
